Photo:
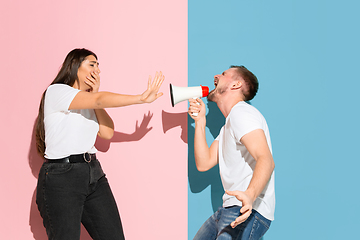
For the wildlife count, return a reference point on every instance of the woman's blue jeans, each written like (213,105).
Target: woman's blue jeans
(69,194)
(218,226)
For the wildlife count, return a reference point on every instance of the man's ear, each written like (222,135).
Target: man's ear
(236,85)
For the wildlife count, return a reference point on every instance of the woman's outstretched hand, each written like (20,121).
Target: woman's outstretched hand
(152,92)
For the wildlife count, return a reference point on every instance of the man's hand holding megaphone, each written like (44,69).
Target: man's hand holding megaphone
(197,108)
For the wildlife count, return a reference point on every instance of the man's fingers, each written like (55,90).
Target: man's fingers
(232,193)
(236,194)
(192,101)
(245,208)
(240,219)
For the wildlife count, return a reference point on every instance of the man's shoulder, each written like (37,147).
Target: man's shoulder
(244,108)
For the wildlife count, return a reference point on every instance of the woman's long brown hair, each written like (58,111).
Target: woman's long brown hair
(67,75)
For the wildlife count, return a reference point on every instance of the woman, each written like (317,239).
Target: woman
(72,188)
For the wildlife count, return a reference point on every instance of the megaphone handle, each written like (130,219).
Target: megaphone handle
(195,114)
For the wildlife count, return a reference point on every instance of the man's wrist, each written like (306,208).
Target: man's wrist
(251,194)
(200,122)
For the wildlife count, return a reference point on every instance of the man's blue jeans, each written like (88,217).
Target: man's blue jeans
(218,226)
(69,194)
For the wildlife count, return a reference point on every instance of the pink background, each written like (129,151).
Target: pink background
(146,167)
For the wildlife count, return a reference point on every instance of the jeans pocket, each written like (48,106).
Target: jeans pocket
(58,168)
(66,177)
(96,171)
(259,228)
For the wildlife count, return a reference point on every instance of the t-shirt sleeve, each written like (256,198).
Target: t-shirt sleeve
(58,97)
(243,122)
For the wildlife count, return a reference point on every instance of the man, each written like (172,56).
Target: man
(243,152)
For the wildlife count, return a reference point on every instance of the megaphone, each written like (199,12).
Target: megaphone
(179,94)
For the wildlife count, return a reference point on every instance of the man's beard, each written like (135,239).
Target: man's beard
(211,95)
(215,92)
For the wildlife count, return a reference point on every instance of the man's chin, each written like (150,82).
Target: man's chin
(211,98)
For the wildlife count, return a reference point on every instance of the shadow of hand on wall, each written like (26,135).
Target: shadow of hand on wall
(140,131)
(36,161)
(198,181)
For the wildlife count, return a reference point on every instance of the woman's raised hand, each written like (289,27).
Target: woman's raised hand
(152,92)
(93,81)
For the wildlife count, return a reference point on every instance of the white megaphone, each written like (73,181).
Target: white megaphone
(179,94)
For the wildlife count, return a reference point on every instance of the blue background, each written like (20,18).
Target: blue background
(306,56)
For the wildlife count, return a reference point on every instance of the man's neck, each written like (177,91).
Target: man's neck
(226,104)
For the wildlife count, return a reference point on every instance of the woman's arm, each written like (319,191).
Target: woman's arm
(100,100)
(106,124)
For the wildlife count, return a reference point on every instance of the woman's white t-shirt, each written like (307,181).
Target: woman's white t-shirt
(235,162)
(67,131)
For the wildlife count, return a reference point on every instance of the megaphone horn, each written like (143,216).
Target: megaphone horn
(179,94)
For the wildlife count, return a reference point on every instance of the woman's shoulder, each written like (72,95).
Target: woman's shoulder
(59,86)
(56,93)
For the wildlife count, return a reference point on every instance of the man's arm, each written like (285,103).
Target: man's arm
(255,142)
(205,157)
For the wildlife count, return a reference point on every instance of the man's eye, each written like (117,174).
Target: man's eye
(91,65)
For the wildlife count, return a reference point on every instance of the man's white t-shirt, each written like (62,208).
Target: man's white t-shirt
(235,162)
(67,131)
